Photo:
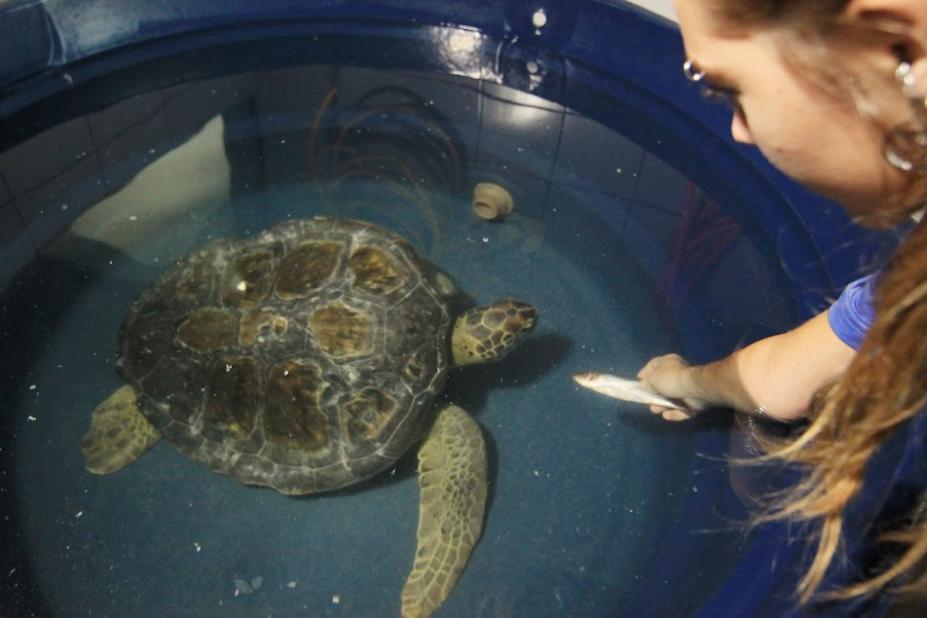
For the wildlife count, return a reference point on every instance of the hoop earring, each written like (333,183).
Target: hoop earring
(905,146)
(692,72)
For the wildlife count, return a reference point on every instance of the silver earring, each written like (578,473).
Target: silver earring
(905,146)
(913,81)
(692,72)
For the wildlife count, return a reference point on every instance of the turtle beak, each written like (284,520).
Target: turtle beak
(526,316)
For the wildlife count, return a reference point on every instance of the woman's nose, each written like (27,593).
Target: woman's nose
(740,131)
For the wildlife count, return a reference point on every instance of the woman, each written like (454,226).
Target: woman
(834,93)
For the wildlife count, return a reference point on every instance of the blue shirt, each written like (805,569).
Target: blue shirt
(852,314)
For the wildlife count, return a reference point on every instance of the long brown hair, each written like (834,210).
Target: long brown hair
(886,384)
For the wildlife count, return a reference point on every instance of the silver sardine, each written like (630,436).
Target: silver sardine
(624,389)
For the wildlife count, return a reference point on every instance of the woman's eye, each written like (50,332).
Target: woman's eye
(718,94)
(727,96)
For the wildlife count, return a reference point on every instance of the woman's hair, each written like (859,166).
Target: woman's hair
(886,384)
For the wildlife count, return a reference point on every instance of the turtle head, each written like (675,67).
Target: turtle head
(488,333)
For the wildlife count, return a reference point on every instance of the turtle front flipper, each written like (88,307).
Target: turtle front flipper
(488,333)
(452,477)
(118,433)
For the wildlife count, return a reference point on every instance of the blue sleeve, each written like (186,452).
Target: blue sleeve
(852,313)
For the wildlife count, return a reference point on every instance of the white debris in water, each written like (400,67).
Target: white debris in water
(336,599)
(291,584)
(242,587)
(31,418)
(197,547)
(536,473)
(245,587)
(78,514)
(242,286)
(133,218)
(32,387)
(228,368)
(485,239)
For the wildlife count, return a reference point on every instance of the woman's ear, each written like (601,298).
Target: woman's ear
(881,35)
(906,20)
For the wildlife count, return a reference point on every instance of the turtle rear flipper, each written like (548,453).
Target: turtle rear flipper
(453,481)
(118,433)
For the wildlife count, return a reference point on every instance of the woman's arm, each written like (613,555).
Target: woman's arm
(779,373)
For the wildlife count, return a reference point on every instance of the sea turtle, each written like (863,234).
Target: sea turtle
(308,358)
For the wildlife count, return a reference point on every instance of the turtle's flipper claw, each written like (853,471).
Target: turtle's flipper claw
(118,434)
(452,477)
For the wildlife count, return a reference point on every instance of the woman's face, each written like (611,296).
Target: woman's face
(817,137)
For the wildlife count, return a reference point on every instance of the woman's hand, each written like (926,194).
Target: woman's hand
(671,376)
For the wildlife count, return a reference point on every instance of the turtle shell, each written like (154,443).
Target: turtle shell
(305,358)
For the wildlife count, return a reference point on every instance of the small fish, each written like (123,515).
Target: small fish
(624,389)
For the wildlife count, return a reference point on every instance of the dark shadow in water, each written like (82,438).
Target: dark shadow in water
(469,386)
(31,306)
(644,421)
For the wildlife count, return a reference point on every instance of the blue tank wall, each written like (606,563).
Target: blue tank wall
(42,44)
